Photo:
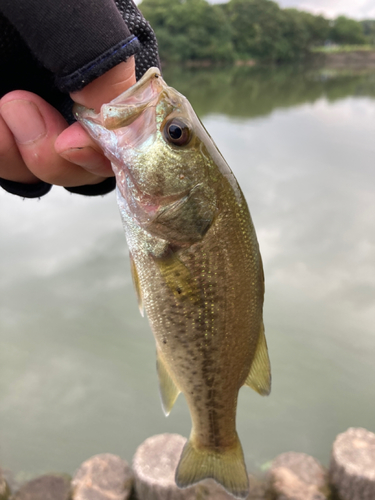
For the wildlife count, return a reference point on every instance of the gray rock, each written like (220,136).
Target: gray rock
(103,477)
(154,466)
(211,490)
(352,466)
(259,488)
(297,476)
(47,487)
(155,463)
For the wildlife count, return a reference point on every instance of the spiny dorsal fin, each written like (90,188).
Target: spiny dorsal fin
(168,389)
(259,377)
(136,284)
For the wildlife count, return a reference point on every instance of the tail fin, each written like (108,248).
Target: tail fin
(226,467)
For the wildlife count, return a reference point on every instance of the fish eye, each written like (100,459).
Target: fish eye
(177,132)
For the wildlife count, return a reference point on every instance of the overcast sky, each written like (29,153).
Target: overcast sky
(358,9)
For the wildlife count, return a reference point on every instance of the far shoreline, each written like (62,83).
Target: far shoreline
(336,58)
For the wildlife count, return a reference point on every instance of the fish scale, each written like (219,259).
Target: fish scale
(196,268)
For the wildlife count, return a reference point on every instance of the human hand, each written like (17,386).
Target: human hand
(36,143)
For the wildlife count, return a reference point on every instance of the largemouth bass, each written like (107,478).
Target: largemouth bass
(196,267)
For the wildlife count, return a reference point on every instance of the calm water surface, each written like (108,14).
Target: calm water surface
(77,361)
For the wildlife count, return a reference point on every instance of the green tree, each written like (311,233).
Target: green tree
(296,35)
(262,30)
(318,28)
(256,28)
(368,27)
(347,31)
(189,30)
(302,31)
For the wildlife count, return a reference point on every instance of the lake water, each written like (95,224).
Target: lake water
(77,361)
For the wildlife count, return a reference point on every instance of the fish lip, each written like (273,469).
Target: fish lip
(151,74)
(144,93)
(128,106)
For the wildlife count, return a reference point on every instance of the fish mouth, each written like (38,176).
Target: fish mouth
(127,107)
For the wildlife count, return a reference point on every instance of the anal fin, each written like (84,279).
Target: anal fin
(259,377)
(168,389)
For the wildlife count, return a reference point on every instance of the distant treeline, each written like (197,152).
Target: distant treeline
(195,30)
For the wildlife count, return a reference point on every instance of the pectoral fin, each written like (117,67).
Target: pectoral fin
(259,377)
(136,284)
(178,277)
(168,389)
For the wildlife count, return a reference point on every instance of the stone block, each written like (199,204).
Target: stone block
(297,476)
(352,465)
(47,487)
(103,477)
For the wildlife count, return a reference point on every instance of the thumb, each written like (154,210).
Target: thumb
(108,86)
(74,144)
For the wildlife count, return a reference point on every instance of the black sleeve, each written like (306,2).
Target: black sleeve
(78,40)
(53,47)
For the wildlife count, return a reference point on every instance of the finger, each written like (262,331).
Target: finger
(75,145)
(12,166)
(35,126)
(108,86)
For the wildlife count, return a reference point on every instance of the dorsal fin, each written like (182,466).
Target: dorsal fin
(168,389)
(136,284)
(259,377)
